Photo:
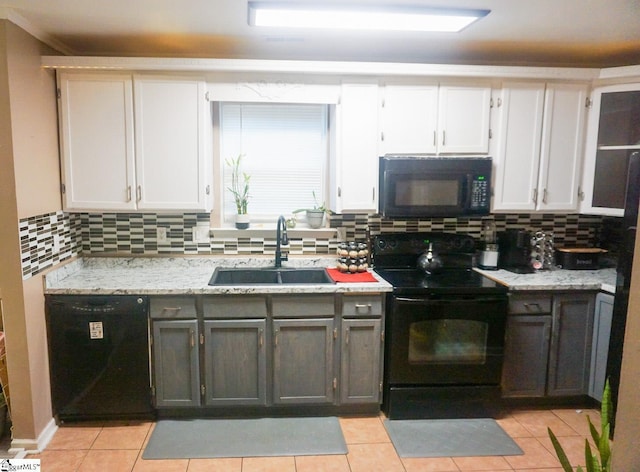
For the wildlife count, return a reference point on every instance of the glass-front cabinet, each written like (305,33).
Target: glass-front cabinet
(613,134)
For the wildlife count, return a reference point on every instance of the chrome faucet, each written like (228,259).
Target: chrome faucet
(281,240)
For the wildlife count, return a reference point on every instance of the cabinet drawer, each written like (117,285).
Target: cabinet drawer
(233,306)
(172,307)
(529,305)
(297,306)
(362,305)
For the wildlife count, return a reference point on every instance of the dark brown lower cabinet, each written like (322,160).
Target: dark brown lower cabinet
(176,370)
(303,361)
(235,365)
(267,350)
(548,344)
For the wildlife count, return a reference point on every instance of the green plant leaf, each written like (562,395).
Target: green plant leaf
(592,463)
(562,456)
(604,446)
(607,406)
(594,432)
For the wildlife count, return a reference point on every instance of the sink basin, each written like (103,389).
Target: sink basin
(268,275)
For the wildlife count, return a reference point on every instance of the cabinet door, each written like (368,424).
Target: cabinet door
(526,355)
(355,176)
(570,355)
(360,373)
(175,363)
(520,109)
(235,362)
(561,148)
(303,361)
(463,119)
(171,158)
(96,140)
(613,133)
(409,119)
(600,344)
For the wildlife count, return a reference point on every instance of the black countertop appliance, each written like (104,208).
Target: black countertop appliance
(515,251)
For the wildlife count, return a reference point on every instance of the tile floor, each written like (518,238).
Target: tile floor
(118,447)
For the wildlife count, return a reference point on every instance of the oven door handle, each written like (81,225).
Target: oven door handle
(448,301)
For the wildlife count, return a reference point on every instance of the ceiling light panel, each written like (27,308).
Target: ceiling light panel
(380,18)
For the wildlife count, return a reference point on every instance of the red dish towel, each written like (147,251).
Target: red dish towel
(357,277)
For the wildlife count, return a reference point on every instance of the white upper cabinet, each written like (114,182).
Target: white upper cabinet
(97,143)
(354,176)
(463,119)
(171,158)
(561,150)
(409,119)
(539,146)
(517,158)
(162,165)
(613,133)
(432,119)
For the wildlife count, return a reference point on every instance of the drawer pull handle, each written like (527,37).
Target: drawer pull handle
(533,306)
(363,306)
(175,309)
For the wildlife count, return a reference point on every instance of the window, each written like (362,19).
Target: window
(285,151)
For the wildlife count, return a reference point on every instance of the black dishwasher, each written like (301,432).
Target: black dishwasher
(99,356)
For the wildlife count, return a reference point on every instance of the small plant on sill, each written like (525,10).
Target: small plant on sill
(239,185)
(601,440)
(240,191)
(315,215)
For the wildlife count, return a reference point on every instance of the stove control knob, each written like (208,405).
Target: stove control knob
(382,244)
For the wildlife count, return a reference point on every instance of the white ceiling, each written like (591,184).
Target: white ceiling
(586,33)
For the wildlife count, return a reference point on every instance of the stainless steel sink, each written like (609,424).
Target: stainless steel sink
(269,275)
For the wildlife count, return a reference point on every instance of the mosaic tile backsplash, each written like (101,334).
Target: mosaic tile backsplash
(49,239)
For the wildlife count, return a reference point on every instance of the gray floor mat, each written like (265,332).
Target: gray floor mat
(450,438)
(207,438)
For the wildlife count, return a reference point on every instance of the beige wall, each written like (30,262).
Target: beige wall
(34,125)
(627,435)
(29,183)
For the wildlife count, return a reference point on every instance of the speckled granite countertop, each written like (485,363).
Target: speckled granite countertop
(559,279)
(182,275)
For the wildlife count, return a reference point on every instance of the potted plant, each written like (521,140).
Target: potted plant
(315,215)
(240,190)
(600,462)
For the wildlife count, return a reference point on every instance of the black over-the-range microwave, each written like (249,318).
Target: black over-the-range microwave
(429,186)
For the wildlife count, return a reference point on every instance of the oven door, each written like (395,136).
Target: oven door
(446,341)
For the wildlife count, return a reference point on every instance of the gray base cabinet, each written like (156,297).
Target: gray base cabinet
(570,356)
(235,366)
(303,361)
(267,350)
(360,380)
(548,345)
(526,355)
(600,344)
(175,363)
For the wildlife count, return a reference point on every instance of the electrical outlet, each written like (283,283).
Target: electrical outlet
(201,234)
(161,235)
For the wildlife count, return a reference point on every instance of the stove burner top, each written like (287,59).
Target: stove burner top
(458,281)
(395,258)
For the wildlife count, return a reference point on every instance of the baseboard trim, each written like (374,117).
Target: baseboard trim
(34,446)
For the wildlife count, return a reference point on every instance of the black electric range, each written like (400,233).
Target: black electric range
(444,332)
(395,257)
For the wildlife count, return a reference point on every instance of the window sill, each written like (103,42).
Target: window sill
(266,231)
